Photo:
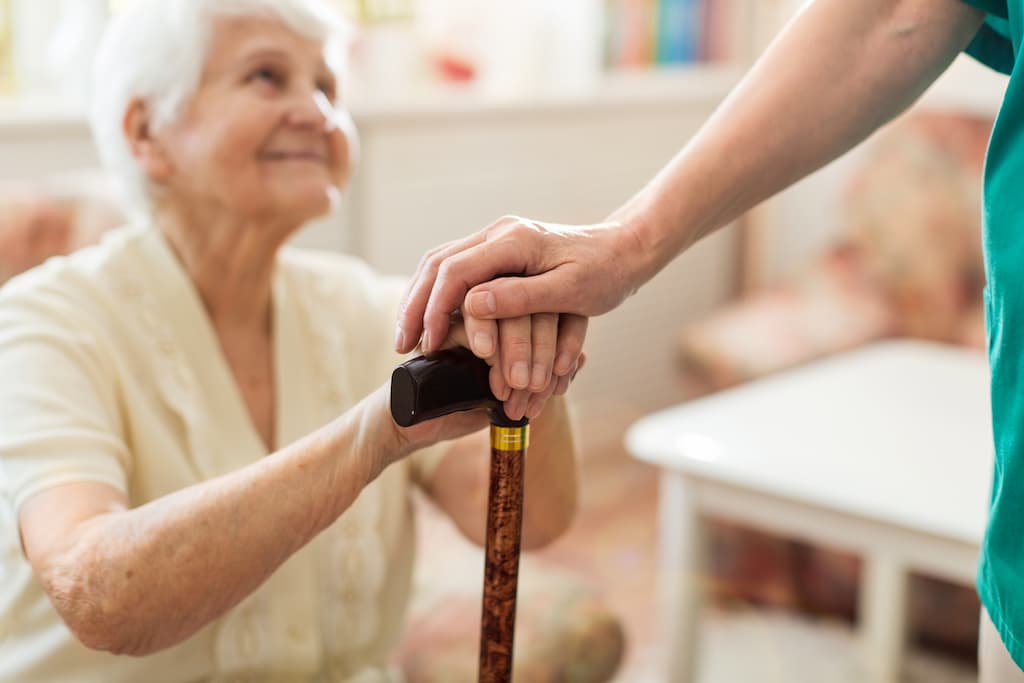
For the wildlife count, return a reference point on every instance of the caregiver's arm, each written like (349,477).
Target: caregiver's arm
(460,483)
(839,71)
(135,581)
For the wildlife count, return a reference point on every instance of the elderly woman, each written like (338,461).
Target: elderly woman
(196,447)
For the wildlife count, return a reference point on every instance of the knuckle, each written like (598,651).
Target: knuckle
(435,254)
(444,270)
(432,263)
(517,344)
(502,226)
(522,228)
(544,346)
(545,352)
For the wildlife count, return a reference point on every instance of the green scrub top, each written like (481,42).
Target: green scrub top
(1001,567)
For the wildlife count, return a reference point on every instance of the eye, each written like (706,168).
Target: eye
(267,74)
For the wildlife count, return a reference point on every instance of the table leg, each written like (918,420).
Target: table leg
(883,617)
(679,562)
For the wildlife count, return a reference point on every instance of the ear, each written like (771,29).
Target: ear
(147,149)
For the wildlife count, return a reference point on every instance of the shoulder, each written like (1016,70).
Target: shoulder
(71,290)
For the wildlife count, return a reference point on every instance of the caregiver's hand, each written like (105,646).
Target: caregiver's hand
(584,270)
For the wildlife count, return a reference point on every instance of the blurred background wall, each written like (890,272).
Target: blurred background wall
(471,109)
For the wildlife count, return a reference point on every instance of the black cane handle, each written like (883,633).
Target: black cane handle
(442,383)
(453,380)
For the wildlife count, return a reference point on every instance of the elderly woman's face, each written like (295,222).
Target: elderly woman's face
(253,138)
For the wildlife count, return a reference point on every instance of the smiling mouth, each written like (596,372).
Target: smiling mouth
(316,157)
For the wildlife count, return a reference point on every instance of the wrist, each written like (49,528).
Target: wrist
(636,243)
(381,440)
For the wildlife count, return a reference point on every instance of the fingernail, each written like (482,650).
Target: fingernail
(399,339)
(540,377)
(563,365)
(482,303)
(520,375)
(483,343)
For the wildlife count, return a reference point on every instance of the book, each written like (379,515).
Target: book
(630,33)
(680,25)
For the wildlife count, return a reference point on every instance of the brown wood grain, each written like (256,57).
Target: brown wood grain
(501,572)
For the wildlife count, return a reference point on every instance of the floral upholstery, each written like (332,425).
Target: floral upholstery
(833,308)
(914,216)
(909,264)
(40,220)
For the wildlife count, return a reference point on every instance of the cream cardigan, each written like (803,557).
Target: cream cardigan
(110,371)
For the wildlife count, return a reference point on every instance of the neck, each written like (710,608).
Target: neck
(230,261)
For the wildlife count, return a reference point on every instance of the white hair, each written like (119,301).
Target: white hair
(155,51)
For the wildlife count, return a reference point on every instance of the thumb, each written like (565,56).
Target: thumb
(512,297)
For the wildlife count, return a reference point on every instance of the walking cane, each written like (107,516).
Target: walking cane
(449,381)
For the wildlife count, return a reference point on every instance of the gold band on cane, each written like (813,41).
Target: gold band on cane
(510,438)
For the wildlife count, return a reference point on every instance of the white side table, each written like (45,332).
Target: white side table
(885,451)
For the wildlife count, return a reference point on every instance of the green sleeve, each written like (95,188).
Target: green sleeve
(992,45)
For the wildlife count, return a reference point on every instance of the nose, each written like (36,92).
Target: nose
(314,111)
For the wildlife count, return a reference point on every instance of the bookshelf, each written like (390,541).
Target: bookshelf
(655,33)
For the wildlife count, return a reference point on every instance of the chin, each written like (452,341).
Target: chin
(308,205)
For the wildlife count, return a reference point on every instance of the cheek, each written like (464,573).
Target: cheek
(344,151)
(221,154)
(233,174)
(234,151)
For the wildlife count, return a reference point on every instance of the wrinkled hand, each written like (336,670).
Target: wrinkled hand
(533,338)
(517,402)
(568,270)
(580,270)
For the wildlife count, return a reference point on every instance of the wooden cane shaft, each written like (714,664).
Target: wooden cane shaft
(501,572)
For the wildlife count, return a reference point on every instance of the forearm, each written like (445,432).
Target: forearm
(141,580)
(838,72)
(551,483)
